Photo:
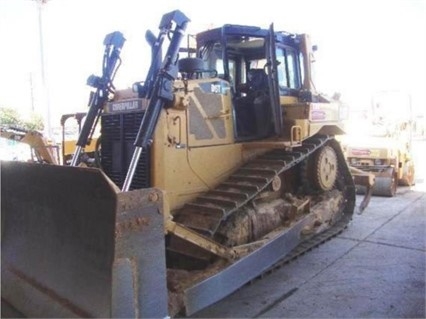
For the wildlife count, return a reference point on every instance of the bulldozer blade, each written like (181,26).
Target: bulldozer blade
(72,246)
(385,183)
(365,184)
(366,200)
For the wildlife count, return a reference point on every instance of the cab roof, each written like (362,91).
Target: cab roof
(229,30)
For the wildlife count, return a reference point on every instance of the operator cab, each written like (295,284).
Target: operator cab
(259,68)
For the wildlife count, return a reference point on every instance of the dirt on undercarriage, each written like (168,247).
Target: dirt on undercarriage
(252,227)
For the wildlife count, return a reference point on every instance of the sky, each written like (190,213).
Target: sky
(364,46)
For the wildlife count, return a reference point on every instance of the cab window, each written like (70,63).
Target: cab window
(288,69)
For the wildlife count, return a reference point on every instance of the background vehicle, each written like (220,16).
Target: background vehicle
(46,151)
(227,164)
(68,144)
(385,150)
(42,150)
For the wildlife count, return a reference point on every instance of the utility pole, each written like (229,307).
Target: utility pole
(32,92)
(45,89)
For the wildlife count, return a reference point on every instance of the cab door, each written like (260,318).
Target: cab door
(274,93)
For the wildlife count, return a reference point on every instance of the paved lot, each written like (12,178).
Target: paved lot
(374,269)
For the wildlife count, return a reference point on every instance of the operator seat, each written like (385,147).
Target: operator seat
(257,80)
(250,109)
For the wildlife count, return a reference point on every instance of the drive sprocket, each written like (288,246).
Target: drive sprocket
(324,168)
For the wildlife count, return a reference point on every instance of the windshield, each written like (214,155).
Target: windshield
(247,53)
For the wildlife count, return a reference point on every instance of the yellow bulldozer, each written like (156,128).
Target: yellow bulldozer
(218,166)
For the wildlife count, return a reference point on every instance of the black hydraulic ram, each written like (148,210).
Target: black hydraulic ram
(160,87)
(111,61)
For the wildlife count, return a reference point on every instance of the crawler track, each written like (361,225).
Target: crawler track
(208,211)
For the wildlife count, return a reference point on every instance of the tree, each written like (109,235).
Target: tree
(35,122)
(11,117)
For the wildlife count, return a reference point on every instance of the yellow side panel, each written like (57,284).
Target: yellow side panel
(185,172)
(213,164)
(314,118)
